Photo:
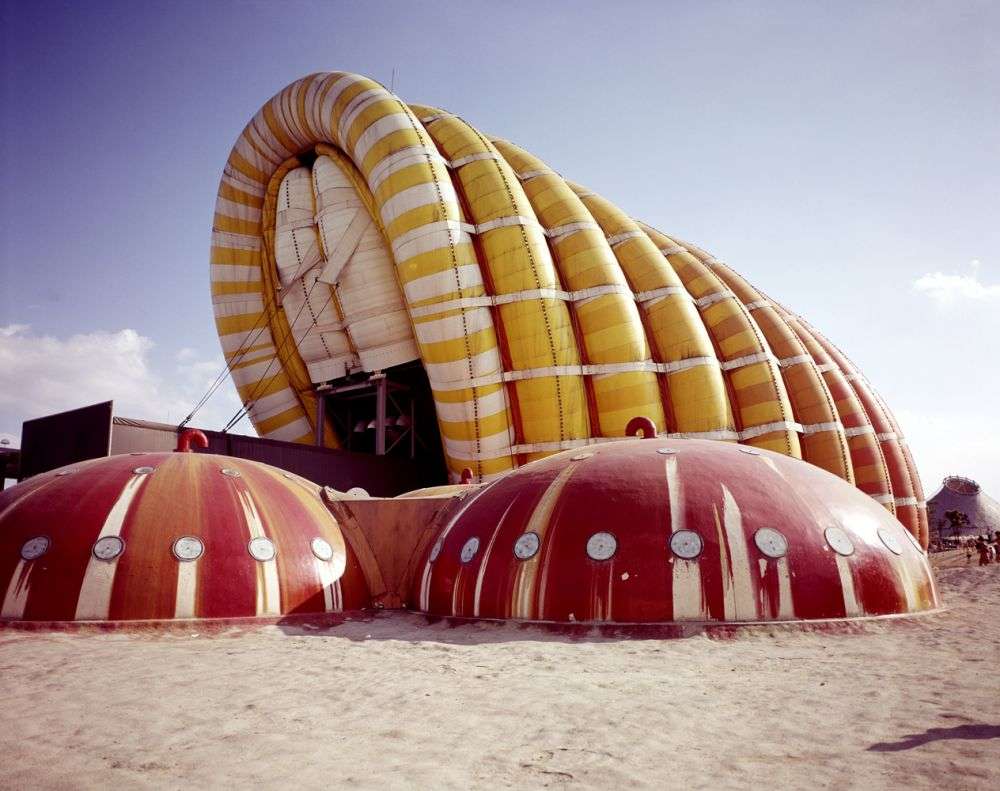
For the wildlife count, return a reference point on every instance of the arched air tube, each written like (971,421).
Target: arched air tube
(544,317)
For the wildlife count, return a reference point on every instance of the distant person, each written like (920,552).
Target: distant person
(984,552)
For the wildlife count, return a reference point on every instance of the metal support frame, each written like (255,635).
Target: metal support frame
(381,390)
(320,416)
(388,395)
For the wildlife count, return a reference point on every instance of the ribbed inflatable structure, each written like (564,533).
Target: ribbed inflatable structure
(163,536)
(671,531)
(354,232)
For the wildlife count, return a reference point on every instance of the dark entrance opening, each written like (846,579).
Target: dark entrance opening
(387,413)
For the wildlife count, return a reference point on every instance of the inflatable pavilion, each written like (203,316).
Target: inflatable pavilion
(628,431)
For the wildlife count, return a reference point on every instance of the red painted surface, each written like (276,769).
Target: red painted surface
(641,426)
(185,495)
(189,437)
(639,492)
(639,495)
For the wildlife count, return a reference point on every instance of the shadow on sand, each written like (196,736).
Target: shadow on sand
(401,625)
(911,740)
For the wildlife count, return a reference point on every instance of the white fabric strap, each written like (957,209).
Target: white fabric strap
(768,428)
(430,119)
(586,370)
(561,231)
(411,155)
(858,431)
(547,447)
(457,163)
(603,369)
(534,293)
(711,299)
(749,359)
(585,194)
(301,222)
(907,501)
(816,428)
(884,499)
(690,362)
(788,362)
(659,293)
(519,296)
(887,436)
(330,326)
(717,434)
(673,249)
(452,226)
(618,238)
(723,434)
(826,367)
(758,304)
(355,107)
(587,294)
(527,175)
(505,222)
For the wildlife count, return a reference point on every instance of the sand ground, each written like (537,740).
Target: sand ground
(396,702)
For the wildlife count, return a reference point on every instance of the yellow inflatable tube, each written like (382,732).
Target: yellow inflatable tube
(545,318)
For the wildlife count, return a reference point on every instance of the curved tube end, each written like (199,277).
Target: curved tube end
(188,437)
(641,427)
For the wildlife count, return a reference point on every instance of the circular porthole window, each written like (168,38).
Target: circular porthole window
(839,541)
(469,549)
(750,451)
(686,544)
(321,548)
(229,472)
(602,546)
(666,451)
(580,456)
(526,546)
(261,549)
(890,541)
(34,548)
(108,548)
(436,550)
(770,542)
(142,470)
(188,548)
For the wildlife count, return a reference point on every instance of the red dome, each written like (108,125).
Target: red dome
(657,531)
(171,535)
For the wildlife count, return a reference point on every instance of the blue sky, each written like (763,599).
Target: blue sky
(844,157)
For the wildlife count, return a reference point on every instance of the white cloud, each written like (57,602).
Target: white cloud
(42,374)
(948,290)
(186,355)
